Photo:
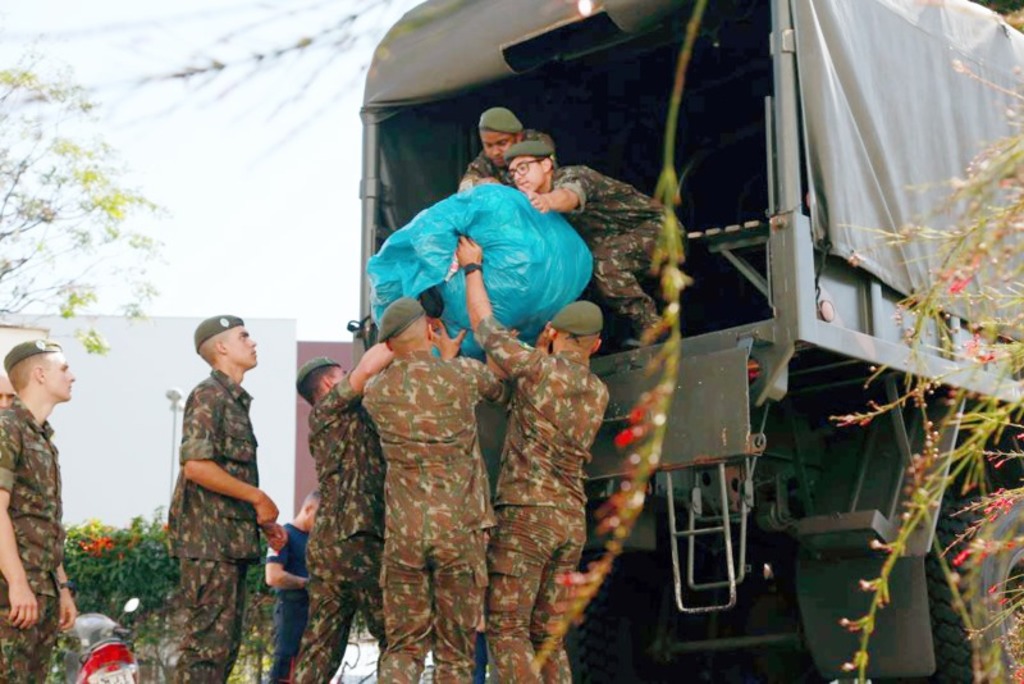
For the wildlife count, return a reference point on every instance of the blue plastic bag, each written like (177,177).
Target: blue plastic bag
(534,263)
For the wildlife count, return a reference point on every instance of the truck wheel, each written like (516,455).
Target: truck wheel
(1004,571)
(953,653)
(952,648)
(600,647)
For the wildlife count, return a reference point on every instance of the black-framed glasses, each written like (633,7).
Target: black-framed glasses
(521,168)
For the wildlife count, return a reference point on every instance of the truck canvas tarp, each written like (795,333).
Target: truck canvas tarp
(881,157)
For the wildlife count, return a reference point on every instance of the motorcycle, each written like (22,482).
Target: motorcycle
(105,654)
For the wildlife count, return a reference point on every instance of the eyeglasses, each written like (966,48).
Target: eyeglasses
(521,168)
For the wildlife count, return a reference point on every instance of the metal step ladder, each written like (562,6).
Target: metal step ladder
(719,523)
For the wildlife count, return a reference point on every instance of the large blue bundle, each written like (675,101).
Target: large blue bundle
(534,263)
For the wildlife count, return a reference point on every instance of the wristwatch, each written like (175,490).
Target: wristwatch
(471,268)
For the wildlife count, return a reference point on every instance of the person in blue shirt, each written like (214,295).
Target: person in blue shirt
(287,574)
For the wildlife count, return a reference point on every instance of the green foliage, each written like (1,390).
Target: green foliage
(111,565)
(1003,6)
(66,220)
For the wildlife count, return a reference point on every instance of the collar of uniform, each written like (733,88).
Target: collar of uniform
(236,391)
(23,414)
(574,356)
(418,355)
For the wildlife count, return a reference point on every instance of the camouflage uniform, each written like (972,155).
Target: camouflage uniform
(557,409)
(621,226)
(347,540)
(482,167)
(30,471)
(215,536)
(436,497)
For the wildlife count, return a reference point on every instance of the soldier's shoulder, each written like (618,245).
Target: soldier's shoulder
(206,391)
(11,425)
(9,418)
(465,364)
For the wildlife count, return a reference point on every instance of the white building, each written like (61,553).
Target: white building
(118,437)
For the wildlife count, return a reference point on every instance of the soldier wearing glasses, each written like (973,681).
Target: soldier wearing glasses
(619,223)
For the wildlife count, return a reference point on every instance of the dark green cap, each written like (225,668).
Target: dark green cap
(27,350)
(312,365)
(399,315)
(500,120)
(529,148)
(213,326)
(579,318)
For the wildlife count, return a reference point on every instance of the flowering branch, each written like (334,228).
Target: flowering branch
(645,435)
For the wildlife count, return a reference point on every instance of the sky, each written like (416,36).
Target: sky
(256,171)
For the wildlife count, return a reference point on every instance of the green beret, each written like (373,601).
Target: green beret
(399,315)
(529,148)
(213,326)
(29,349)
(500,120)
(579,319)
(312,365)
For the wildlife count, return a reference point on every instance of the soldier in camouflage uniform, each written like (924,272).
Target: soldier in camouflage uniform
(35,600)
(217,509)
(619,223)
(557,408)
(6,392)
(347,540)
(436,497)
(499,130)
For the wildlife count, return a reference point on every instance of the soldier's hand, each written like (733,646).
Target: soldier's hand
(539,202)
(276,535)
(447,346)
(24,607)
(68,609)
(266,509)
(544,339)
(469,252)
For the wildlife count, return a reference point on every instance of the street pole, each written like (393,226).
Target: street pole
(174,396)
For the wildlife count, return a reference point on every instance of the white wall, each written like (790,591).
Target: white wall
(114,436)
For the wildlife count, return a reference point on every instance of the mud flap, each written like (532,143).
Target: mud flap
(828,591)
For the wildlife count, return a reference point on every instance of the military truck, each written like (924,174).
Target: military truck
(808,129)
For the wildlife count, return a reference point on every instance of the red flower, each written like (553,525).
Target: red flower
(960,284)
(961,558)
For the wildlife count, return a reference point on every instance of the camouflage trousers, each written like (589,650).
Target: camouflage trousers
(25,653)
(433,598)
(335,594)
(531,547)
(214,595)
(619,262)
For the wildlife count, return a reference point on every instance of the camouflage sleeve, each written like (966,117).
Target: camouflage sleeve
(199,427)
(489,385)
(10,451)
(511,355)
(578,180)
(477,170)
(341,398)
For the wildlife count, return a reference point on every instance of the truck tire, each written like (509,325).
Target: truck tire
(600,648)
(1004,571)
(952,649)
